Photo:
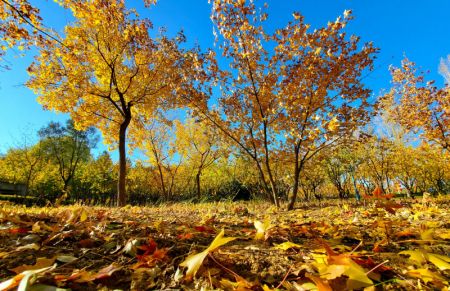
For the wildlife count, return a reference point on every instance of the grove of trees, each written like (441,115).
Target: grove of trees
(293,118)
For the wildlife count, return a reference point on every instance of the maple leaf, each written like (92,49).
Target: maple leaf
(194,262)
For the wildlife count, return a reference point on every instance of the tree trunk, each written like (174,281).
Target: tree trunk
(269,170)
(121,189)
(161,177)
(293,196)
(357,195)
(197,181)
(66,182)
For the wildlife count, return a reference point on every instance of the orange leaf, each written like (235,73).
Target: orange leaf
(107,271)
(322,285)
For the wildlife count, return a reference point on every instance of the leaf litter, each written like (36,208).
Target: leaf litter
(333,245)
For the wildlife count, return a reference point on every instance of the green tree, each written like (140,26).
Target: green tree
(67,147)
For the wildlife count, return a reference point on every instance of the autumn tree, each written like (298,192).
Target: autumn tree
(313,177)
(419,105)
(161,152)
(107,71)
(198,142)
(19,24)
(293,92)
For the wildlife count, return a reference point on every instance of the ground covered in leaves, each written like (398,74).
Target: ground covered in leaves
(334,245)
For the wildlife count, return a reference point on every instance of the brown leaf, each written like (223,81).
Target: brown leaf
(40,263)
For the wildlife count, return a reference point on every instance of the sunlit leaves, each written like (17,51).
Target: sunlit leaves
(262,228)
(418,105)
(296,90)
(19,21)
(194,262)
(420,257)
(109,73)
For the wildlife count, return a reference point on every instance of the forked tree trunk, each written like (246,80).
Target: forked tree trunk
(121,184)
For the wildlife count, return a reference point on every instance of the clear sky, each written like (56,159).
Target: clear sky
(418,29)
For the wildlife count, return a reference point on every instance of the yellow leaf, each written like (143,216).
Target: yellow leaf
(194,262)
(357,277)
(421,257)
(440,261)
(261,228)
(83,215)
(417,256)
(445,234)
(36,227)
(425,275)
(427,234)
(287,245)
(296,15)
(333,124)
(333,271)
(219,241)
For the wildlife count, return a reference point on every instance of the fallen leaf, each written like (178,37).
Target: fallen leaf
(21,280)
(417,256)
(321,284)
(425,275)
(261,228)
(287,245)
(440,261)
(427,234)
(421,257)
(66,259)
(83,215)
(333,271)
(194,262)
(33,246)
(40,263)
(17,230)
(107,271)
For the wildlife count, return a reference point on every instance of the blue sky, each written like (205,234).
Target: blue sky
(418,29)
